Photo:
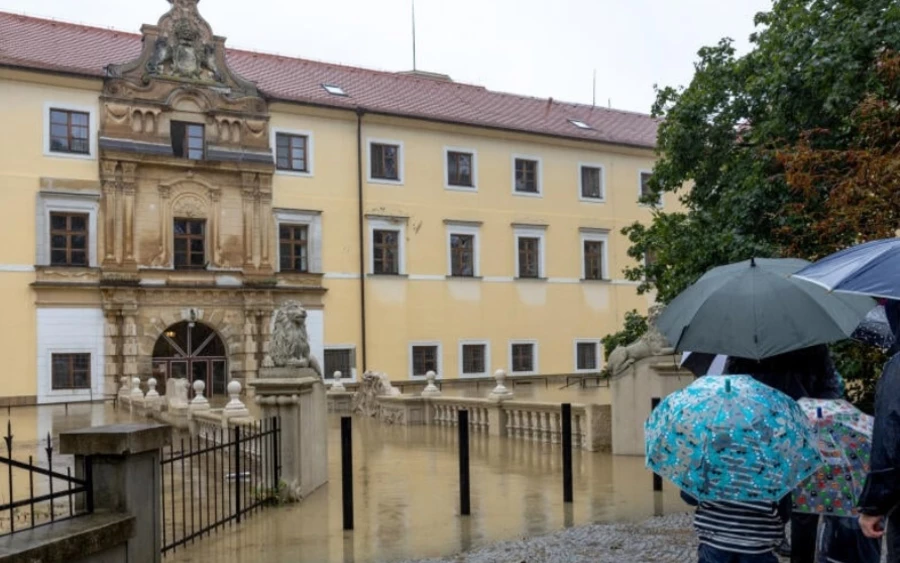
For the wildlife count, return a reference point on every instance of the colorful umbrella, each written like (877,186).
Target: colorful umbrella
(844,437)
(729,437)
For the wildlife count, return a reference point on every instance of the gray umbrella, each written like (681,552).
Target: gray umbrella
(755,309)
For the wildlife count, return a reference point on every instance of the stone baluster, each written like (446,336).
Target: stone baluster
(500,392)
(557,432)
(136,393)
(235,408)
(152,398)
(338,385)
(199,402)
(125,387)
(576,431)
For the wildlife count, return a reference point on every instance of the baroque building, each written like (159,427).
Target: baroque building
(165,194)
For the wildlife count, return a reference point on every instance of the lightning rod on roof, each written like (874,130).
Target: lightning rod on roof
(414,33)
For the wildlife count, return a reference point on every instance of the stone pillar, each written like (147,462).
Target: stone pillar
(129,188)
(111,345)
(297,397)
(165,226)
(264,220)
(126,477)
(248,196)
(215,214)
(497,415)
(130,343)
(110,206)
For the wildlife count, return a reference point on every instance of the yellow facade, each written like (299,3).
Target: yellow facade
(423,305)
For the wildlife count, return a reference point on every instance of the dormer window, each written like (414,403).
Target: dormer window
(188,140)
(334,90)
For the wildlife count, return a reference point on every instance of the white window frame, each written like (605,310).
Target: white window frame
(447,185)
(487,358)
(535,231)
(93,130)
(310,152)
(540,175)
(313,221)
(440,357)
(599,235)
(66,202)
(388,224)
(464,228)
(598,350)
(535,352)
(640,187)
(401,165)
(602,198)
(353,370)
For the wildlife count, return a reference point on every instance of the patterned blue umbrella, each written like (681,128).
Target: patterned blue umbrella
(732,438)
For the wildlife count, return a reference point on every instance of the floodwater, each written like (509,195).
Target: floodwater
(406,492)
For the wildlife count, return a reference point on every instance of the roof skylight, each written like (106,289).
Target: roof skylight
(580,124)
(334,90)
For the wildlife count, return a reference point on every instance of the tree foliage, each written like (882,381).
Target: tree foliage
(635,326)
(788,150)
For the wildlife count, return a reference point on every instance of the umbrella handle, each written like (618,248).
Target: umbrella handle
(728,385)
(819,412)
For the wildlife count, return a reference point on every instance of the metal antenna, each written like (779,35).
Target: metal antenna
(414,33)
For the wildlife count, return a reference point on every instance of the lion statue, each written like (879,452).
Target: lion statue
(290,341)
(373,385)
(651,344)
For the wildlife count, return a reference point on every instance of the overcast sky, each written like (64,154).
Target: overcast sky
(535,47)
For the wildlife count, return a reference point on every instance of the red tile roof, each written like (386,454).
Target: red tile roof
(50,45)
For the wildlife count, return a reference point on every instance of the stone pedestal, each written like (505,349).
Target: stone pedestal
(297,397)
(632,393)
(126,476)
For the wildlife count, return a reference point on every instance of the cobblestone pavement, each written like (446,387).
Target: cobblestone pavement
(667,539)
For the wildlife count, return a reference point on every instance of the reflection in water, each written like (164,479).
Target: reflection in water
(406,494)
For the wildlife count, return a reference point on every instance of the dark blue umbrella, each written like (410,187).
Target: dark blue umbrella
(871,269)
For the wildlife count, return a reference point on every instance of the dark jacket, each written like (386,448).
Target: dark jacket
(803,373)
(784,512)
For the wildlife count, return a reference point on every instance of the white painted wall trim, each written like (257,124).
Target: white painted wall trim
(597,235)
(440,357)
(93,130)
(598,351)
(487,358)
(535,353)
(447,185)
(539,175)
(602,198)
(531,232)
(346,378)
(60,202)
(388,224)
(464,229)
(401,161)
(310,152)
(313,221)
(19,268)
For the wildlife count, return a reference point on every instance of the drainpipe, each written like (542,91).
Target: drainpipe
(362,237)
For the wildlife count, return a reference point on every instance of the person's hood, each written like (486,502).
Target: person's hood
(892,312)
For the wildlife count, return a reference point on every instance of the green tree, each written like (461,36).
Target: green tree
(723,139)
(635,327)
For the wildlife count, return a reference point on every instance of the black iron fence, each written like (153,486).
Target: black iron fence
(217,478)
(36,496)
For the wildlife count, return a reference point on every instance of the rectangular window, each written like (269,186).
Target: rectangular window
(386,252)
(522,358)
(71,371)
(527,176)
(70,131)
(190,244)
(587,356)
(529,257)
(294,248)
(592,182)
(424,359)
(339,359)
(593,260)
(474,359)
(188,140)
(68,239)
(291,152)
(645,187)
(460,167)
(462,255)
(385,161)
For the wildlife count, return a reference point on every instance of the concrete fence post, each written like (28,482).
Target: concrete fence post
(125,462)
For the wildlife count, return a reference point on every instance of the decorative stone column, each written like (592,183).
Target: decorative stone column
(215,214)
(165,227)
(265,222)
(129,188)
(297,397)
(125,469)
(248,195)
(109,223)
(130,342)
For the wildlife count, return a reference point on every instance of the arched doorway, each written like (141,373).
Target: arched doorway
(193,351)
